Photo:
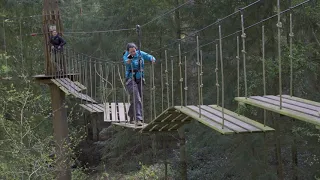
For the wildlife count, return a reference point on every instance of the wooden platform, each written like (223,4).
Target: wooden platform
(170,120)
(211,116)
(69,87)
(301,109)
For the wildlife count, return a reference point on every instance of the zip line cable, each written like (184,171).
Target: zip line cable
(162,15)
(216,22)
(248,27)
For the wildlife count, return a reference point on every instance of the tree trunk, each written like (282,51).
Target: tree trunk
(294,153)
(183,162)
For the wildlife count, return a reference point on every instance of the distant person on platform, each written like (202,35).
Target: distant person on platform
(57,41)
(134,80)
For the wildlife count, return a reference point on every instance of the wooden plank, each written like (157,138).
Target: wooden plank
(74,92)
(113,112)
(296,103)
(302,100)
(244,119)
(93,106)
(87,108)
(204,120)
(107,112)
(122,115)
(61,87)
(285,105)
(231,119)
(84,97)
(284,111)
(100,106)
(219,120)
(81,86)
(71,84)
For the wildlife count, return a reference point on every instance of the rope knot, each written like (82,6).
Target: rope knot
(201,74)
(243,35)
(291,34)
(243,51)
(201,85)
(198,63)
(166,71)
(237,57)
(181,79)
(186,88)
(279,25)
(217,84)
(216,70)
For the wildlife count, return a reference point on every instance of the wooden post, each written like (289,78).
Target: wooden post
(60,128)
(183,158)
(51,21)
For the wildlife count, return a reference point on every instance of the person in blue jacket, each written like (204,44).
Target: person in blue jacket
(134,79)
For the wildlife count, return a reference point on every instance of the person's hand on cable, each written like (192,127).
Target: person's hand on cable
(130,57)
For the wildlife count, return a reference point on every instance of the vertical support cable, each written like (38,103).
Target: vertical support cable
(95,79)
(154,92)
(151,94)
(115,84)
(264,75)
(217,74)
(243,36)
(198,65)
(185,83)
(238,66)
(124,90)
(279,25)
(172,94)
(161,77)
(90,75)
(181,79)
(101,82)
(21,46)
(167,79)
(201,78)
(222,75)
(5,47)
(133,91)
(291,56)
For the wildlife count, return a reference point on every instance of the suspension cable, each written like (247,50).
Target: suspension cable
(222,75)
(291,35)
(279,26)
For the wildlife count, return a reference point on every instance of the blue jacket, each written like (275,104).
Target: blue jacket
(135,63)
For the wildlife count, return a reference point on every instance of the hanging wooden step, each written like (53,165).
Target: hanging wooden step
(113,112)
(69,87)
(297,108)
(175,117)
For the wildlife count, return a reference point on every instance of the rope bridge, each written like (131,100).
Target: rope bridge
(100,85)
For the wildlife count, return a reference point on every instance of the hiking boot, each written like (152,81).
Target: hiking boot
(139,123)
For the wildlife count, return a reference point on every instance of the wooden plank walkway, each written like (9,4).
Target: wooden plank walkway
(298,108)
(211,116)
(69,87)
(173,118)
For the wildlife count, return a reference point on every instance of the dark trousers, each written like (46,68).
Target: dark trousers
(134,89)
